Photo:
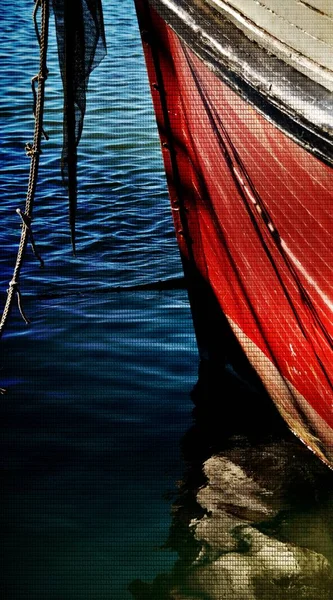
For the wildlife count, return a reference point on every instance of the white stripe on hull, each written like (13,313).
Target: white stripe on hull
(290,29)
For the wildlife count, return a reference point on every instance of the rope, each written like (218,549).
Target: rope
(33,151)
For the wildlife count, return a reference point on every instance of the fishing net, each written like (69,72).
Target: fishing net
(81,46)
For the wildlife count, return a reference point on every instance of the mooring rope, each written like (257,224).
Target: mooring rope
(33,151)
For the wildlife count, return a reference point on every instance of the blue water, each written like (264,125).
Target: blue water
(98,384)
(98,404)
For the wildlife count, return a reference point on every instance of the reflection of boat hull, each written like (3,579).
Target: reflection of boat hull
(251,210)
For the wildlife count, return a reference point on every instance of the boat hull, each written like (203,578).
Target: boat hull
(252,217)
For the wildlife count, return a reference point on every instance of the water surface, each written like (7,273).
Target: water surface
(98,385)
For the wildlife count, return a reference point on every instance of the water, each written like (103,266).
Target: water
(99,385)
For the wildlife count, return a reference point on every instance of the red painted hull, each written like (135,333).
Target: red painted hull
(258,228)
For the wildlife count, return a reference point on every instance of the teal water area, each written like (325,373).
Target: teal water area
(101,461)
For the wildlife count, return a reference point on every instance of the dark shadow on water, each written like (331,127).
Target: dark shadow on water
(253,514)
(172,283)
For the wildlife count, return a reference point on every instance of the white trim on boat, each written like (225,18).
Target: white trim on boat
(292,100)
(292,30)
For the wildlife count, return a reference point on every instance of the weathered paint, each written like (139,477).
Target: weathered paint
(259,227)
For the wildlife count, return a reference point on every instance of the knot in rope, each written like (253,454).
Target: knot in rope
(14,288)
(30,150)
(26,222)
(12,284)
(40,77)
